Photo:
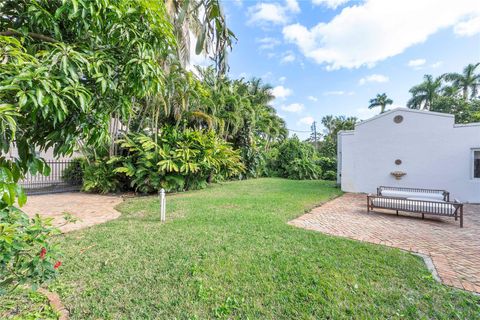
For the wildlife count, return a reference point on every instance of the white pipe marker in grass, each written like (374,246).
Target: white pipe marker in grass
(163,204)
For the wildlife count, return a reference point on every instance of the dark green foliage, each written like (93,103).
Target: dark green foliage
(22,241)
(99,176)
(327,163)
(176,160)
(73,173)
(333,125)
(330,175)
(296,160)
(465,111)
(454,93)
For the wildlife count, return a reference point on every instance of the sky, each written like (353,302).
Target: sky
(332,56)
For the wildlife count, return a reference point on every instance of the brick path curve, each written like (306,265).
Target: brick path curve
(90,209)
(455,251)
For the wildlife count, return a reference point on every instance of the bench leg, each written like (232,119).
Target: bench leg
(423,216)
(397,212)
(461,216)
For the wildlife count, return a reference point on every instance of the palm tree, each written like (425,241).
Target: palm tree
(204,19)
(381,100)
(424,93)
(465,82)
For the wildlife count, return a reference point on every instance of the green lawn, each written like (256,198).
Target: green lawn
(227,252)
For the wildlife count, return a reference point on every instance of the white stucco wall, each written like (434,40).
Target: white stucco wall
(435,153)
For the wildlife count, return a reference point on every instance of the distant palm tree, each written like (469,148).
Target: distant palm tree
(465,82)
(381,100)
(205,20)
(424,93)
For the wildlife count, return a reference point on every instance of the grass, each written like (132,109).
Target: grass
(26,305)
(228,252)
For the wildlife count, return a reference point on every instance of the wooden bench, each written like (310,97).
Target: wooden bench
(424,201)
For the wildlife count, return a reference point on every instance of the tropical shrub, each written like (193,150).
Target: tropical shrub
(329,167)
(296,160)
(73,173)
(327,163)
(26,254)
(99,176)
(329,175)
(176,160)
(303,169)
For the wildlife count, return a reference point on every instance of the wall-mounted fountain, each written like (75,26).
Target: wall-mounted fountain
(398,174)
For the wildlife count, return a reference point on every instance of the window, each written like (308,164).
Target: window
(476,164)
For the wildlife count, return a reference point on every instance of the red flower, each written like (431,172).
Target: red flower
(58,264)
(43,252)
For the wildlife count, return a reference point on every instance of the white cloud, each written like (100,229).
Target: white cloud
(238,3)
(380,78)
(436,64)
(468,28)
(364,34)
(280,92)
(292,5)
(288,57)
(243,75)
(332,4)
(282,79)
(293,107)
(306,120)
(272,13)
(267,43)
(416,63)
(312,98)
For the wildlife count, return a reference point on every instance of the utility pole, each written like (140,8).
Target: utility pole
(314,129)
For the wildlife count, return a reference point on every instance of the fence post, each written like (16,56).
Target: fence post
(163,203)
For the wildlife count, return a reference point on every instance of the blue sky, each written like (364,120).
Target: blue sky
(332,56)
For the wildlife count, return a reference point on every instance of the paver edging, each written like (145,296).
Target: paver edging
(55,303)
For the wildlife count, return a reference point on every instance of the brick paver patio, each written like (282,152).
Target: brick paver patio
(90,209)
(455,251)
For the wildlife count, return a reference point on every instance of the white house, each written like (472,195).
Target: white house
(411,148)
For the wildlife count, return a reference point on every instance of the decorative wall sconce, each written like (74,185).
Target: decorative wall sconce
(398,174)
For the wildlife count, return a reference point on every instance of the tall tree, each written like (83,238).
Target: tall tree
(333,125)
(467,82)
(205,21)
(381,100)
(424,94)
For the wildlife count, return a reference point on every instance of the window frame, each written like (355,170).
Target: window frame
(472,167)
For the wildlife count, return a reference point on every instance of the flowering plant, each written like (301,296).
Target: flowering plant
(26,255)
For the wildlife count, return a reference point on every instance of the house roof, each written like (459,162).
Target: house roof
(425,112)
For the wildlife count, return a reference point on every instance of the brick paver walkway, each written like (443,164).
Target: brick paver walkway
(90,209)
(455,251)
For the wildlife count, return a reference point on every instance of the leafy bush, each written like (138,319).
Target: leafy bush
(73,173)
(176,160)
(303,169)
(330,175)
(329,167)
(327,163)
(99,176)
(296,160)
(26,256)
